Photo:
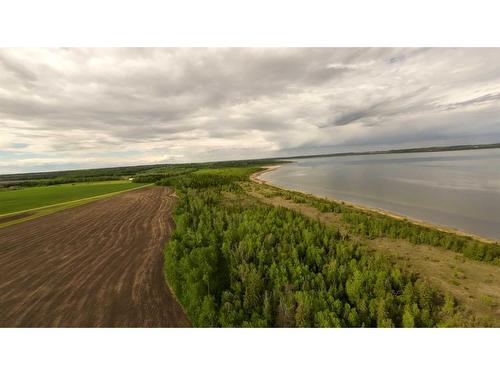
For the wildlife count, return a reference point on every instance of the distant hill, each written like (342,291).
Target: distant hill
(130,170)
(401,151)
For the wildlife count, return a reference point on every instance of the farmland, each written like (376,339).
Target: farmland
(242,254)
(19,205)
(95,265)
(12,201)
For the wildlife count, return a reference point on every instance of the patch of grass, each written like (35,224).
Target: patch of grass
(489,301)
(240,172)
(370,224)
(227,178)
(12,201)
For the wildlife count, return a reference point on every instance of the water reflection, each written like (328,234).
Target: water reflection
(459,189)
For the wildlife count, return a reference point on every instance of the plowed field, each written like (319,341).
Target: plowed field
(96,265)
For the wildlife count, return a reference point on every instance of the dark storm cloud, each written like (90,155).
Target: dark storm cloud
(16,68)
(396,59)
(493,97)
(161,105)
(370,115)
(350,117)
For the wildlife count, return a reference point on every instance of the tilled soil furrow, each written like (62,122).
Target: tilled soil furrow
(96,265)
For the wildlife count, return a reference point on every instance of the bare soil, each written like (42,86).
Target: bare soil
(13,217)
(95,265)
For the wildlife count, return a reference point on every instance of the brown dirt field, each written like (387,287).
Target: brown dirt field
(95,265)
(13,217)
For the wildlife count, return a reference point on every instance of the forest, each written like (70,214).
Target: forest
(236,262)
(23,180)
(371,225)
(141,173)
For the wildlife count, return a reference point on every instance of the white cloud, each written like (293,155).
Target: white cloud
(84,108)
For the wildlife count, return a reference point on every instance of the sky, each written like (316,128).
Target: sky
(86,108)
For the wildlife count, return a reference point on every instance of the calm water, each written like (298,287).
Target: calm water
(458,189)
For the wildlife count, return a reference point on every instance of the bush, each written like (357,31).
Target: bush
(238,266)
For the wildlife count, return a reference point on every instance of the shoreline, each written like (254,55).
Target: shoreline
(257,178)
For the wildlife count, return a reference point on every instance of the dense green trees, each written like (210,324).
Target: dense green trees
(231,264)
(157,174)
(75,174)
(374,225)
(57,181)
(141,173)
(201,181)
(66,177)
(199,177)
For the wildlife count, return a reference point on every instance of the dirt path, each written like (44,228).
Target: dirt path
(96,265)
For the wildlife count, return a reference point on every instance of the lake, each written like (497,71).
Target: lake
(457,189)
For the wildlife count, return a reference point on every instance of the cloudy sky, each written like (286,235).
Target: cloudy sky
(79,108)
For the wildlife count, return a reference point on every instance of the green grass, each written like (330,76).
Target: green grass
(239,172)
(12,201)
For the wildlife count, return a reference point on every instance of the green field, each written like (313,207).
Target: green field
(238,172)
(12,201)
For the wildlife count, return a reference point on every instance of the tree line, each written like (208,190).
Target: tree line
(372,225)
(57,181)
(237,264)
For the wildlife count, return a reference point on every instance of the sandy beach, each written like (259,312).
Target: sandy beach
(258,178)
